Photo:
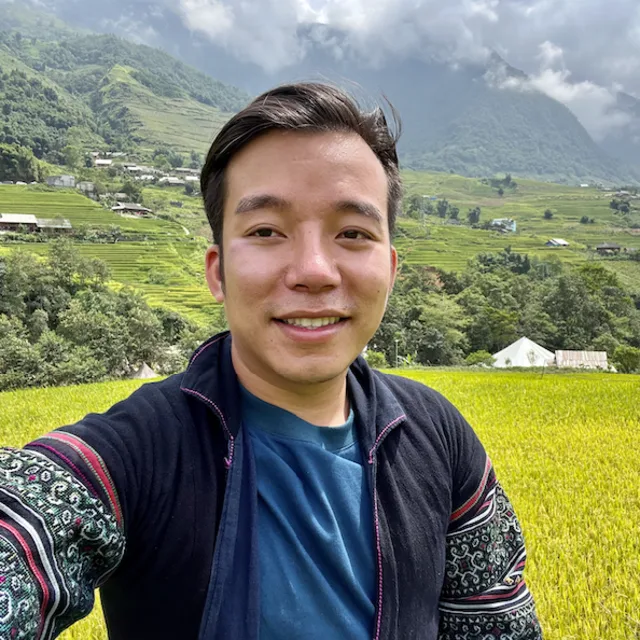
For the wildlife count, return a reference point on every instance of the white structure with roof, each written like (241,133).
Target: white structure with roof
(523,353)
(61,181)
(557,242)
(582,359)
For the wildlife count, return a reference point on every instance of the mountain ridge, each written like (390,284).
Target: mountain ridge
(455,119)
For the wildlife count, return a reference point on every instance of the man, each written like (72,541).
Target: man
(278,488)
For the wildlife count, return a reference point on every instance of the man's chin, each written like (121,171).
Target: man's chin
(311,375)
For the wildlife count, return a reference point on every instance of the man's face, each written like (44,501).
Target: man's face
(308,262)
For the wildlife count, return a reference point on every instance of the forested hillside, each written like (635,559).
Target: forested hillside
(59,88)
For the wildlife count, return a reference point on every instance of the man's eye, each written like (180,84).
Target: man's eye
(354,234)
(264,233)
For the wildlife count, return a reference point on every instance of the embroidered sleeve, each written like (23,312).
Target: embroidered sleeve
(61,535)
(484,594)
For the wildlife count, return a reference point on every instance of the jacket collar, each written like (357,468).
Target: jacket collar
(211,378)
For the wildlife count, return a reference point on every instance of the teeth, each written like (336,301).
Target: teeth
(311,323)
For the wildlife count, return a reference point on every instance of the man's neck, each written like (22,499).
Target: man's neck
(324,404)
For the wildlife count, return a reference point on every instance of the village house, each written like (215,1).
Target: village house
(170,181)
(556,242)
(103,163)
(504,224)
(582,360)
(131,208)
(54,225)
(17,222)
(61,181)
(608,249)
(86,187)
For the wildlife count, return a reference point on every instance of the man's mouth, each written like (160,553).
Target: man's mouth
(312,323)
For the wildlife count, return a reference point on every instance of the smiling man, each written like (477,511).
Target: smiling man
(278,488)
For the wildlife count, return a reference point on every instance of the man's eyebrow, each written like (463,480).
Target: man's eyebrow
(363,208)
(261,201)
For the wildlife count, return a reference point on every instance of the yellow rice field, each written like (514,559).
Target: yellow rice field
(566,450)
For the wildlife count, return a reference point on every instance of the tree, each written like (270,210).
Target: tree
(134,191)
(442,208)
(626,359)
(195,160)
(72,156)
(18,164)
(473,216)
(501,192)
(454,212)
(548,214)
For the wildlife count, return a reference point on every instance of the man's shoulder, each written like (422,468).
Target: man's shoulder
(160,404)
(422,404)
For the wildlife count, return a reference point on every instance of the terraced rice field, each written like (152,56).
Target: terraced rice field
(167,273)
(565,448)
(78,209)
(449,247)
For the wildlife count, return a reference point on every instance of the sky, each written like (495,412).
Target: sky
(580,52)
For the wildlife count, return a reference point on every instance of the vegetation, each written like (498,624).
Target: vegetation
(61,324)
(440,318)
(64,92)
(564,448)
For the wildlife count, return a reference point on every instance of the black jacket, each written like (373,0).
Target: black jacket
(165,509)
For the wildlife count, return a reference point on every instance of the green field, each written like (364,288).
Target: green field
(565,448)
(449,246)
(168,270)
(182,124)
(79,210)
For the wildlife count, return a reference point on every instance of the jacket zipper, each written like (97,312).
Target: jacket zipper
(376,519)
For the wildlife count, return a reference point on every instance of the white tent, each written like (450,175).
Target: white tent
(523,353)
(145,372)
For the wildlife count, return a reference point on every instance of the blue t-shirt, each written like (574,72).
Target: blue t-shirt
(315,527)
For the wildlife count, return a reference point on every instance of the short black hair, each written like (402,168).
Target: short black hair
(303,106)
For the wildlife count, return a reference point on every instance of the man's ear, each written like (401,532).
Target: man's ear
(213,272)
(394,267)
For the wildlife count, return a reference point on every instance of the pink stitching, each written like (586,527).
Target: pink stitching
(229,460)
(379,550)
(204,348)
(389,426)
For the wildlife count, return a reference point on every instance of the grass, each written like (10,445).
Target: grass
(449,246)
(78,209)
(182,124)
(565,449)
(168,270)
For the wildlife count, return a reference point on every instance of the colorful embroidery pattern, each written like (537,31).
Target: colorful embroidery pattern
(58,540)
(484,594)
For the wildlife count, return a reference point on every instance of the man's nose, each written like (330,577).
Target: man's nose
(313,265)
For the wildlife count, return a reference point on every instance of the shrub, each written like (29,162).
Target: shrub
(375,359)
(480,357)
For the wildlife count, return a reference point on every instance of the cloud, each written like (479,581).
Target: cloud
(264,32)
(595,106)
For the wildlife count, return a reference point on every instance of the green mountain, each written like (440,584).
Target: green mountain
(60,87)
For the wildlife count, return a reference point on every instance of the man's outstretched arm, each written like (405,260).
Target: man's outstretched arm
(484,593)
(61,535)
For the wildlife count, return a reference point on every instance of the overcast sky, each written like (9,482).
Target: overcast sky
(578,51)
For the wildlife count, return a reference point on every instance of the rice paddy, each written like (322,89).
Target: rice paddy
(565,448)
